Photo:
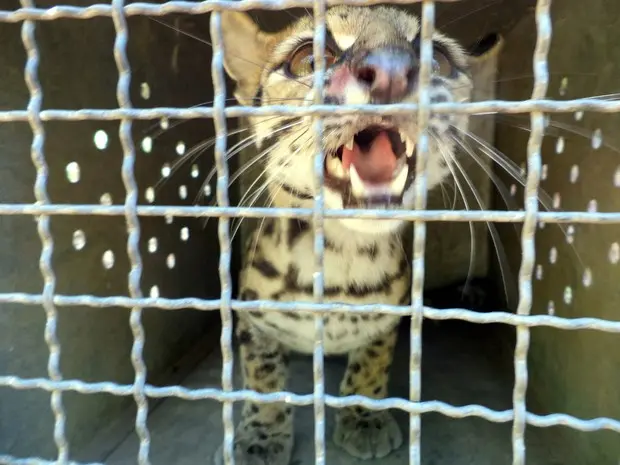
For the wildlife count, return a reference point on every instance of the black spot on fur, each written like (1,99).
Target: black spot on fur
(290,279)
(245,337)
(405,299)
(329,245)
(269,226)
(370,251)
(255,449)
(249,294)
(356,367)
(371,353)
(280,418)
(295,229)
(265,267)
(377,390)
(268,368)
(291,315)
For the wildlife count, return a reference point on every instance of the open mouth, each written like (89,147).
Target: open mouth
(373,168)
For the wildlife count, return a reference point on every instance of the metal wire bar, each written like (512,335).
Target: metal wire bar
(318,278)
(133,228)
(219,102)
(418,408)
(530,321)
(473,108)
(154,9)
(419,231)
(496,216)
(528,246)
(43,227)
(10,460)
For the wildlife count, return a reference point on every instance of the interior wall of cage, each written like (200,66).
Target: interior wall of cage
(576,271)
(179,257)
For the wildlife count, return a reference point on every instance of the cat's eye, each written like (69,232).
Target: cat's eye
(442,65)
(301,61)
(442,62)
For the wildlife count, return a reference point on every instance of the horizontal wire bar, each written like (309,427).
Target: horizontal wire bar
(10,460)
(471,108)
(542,421)
(153,9)
(495,216)
(549,321)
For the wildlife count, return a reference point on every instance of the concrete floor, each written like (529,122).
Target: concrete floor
(461,366)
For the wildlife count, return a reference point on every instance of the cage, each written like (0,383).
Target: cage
(116,293)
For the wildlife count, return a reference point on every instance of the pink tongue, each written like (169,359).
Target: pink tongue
(377,165)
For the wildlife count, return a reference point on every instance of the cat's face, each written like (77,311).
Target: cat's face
(372,56)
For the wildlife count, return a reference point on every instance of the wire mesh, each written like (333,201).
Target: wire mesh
(140,389)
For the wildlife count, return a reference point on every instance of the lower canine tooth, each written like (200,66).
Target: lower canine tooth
(349,145)
(398,184)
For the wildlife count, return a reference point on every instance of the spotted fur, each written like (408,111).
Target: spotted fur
(364,259)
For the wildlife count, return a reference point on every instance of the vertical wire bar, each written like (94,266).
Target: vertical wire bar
(133,227)
(419,241)
(318,282)
(43,227)
(219,121)
(541,82)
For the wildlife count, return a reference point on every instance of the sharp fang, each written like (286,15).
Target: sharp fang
(409,147)
(349,145)
(335,168)
(357,185)
(403,136)
(398,184)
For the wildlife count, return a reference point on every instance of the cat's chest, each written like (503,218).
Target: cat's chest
(364,275)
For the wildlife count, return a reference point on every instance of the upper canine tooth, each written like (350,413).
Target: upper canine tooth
(357,185)
(398,184)
(410,147)
(403,136)
(349,145)
(335,168)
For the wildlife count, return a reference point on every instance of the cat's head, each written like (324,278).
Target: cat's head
(372,56)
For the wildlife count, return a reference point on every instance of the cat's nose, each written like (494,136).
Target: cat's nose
(387,72)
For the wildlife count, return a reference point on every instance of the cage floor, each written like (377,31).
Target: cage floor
(461,366)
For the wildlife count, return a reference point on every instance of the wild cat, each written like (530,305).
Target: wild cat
(372,56)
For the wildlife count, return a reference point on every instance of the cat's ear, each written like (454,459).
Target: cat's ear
(246,51)
(483,61)
(485,50)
